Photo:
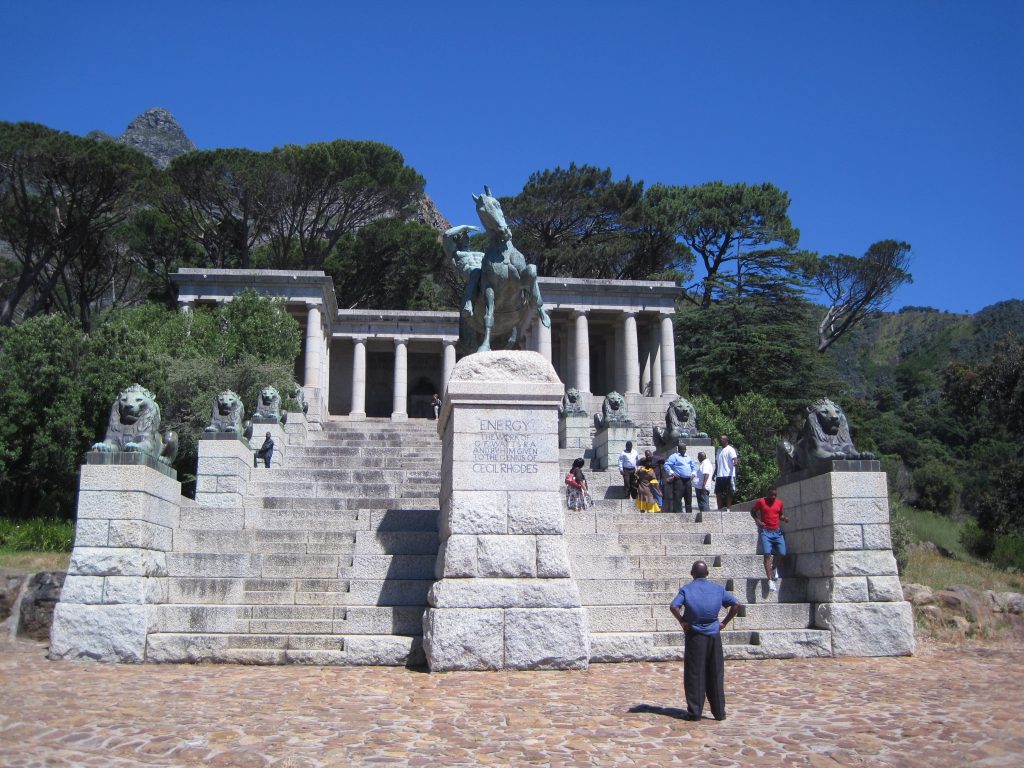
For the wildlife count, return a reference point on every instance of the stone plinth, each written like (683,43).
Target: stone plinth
(839,534)
(610,441)
(505,597)
(222,472)
(574,431)
(118,569)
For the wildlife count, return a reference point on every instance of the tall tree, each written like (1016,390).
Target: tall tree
(326,191)
(223,200)
(740,234)
(576,222)
(408,254)
(61,198)
(859,286)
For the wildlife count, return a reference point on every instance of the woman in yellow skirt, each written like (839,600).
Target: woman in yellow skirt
(646,483)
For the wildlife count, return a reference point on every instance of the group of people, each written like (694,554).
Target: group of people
(669,485)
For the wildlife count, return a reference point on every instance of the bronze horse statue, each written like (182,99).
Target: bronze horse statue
(501,288)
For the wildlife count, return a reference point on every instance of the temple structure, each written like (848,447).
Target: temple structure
(605,335)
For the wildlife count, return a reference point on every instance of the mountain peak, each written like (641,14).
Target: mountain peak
(158,135)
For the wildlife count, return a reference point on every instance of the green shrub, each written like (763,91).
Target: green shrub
(1008,552)
(899,529)
(37,534)
(975,539)
(938,488)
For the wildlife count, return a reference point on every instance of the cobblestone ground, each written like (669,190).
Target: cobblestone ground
(945,707)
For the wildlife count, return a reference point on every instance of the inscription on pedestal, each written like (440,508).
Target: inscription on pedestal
(504,447)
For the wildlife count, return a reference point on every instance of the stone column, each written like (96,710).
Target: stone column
(631,352)
(398,408)
(581,358)
(668,356)
(618,377)
(505,597)
(314,357)
(655,343)
(325,377)
(358,411)
(544,340)
(449,363)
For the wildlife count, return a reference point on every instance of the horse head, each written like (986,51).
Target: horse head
(491,216)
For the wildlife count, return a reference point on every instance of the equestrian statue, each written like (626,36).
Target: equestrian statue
(501,287)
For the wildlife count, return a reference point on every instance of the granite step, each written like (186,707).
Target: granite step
(342,650)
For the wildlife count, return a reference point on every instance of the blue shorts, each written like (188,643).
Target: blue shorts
(773,542)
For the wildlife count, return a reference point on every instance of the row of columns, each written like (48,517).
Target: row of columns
(400,381)
(659,361)
(659,366)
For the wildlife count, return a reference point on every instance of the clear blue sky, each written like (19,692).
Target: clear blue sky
(881,119)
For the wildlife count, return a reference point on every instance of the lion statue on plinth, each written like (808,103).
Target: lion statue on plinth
(134,427)
(268,406)
(227,416)
(572,402)
(613,410)
(825,437)
(680,424)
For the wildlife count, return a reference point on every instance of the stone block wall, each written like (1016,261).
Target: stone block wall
(222,474)
(610,441)
(838,537)
(126,519)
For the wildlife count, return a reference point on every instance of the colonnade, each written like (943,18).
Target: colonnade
(643,364)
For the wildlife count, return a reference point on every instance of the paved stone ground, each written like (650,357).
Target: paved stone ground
(945,707)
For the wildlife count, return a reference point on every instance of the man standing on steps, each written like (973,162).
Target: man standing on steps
(678,475)
(725,474)
(627,467)
(767,513)
(703,661)
(264,452)
(702,481)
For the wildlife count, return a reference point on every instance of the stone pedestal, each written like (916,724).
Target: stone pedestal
(222,471)
(839,534)
(610,441)
(574,431)
(126,516)
(505,597)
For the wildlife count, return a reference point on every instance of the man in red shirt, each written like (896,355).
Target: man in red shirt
(768,514)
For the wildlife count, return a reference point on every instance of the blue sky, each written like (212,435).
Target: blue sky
(881,119)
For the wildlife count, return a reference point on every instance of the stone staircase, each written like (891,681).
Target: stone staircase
(328,562)
(330,558)
(629,565)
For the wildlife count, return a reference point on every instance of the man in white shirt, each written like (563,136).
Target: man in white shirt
(627,466)
(701,481)
(725,473)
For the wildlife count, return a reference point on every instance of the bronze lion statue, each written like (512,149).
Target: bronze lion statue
(227,416)
(825,437)
(613,409)
(134,427)
(268,406)
(572,402)
(680,424)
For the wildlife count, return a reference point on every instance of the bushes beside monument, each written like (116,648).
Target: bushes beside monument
(60,382)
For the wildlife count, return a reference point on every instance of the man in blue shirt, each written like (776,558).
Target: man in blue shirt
(703,663)
(677,480)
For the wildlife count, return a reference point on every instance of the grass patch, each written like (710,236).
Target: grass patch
(37,535)
(32,562)
(942,531)
(931,568)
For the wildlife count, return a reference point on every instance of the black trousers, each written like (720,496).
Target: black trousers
(261,455)
(677,490)
(704,674)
